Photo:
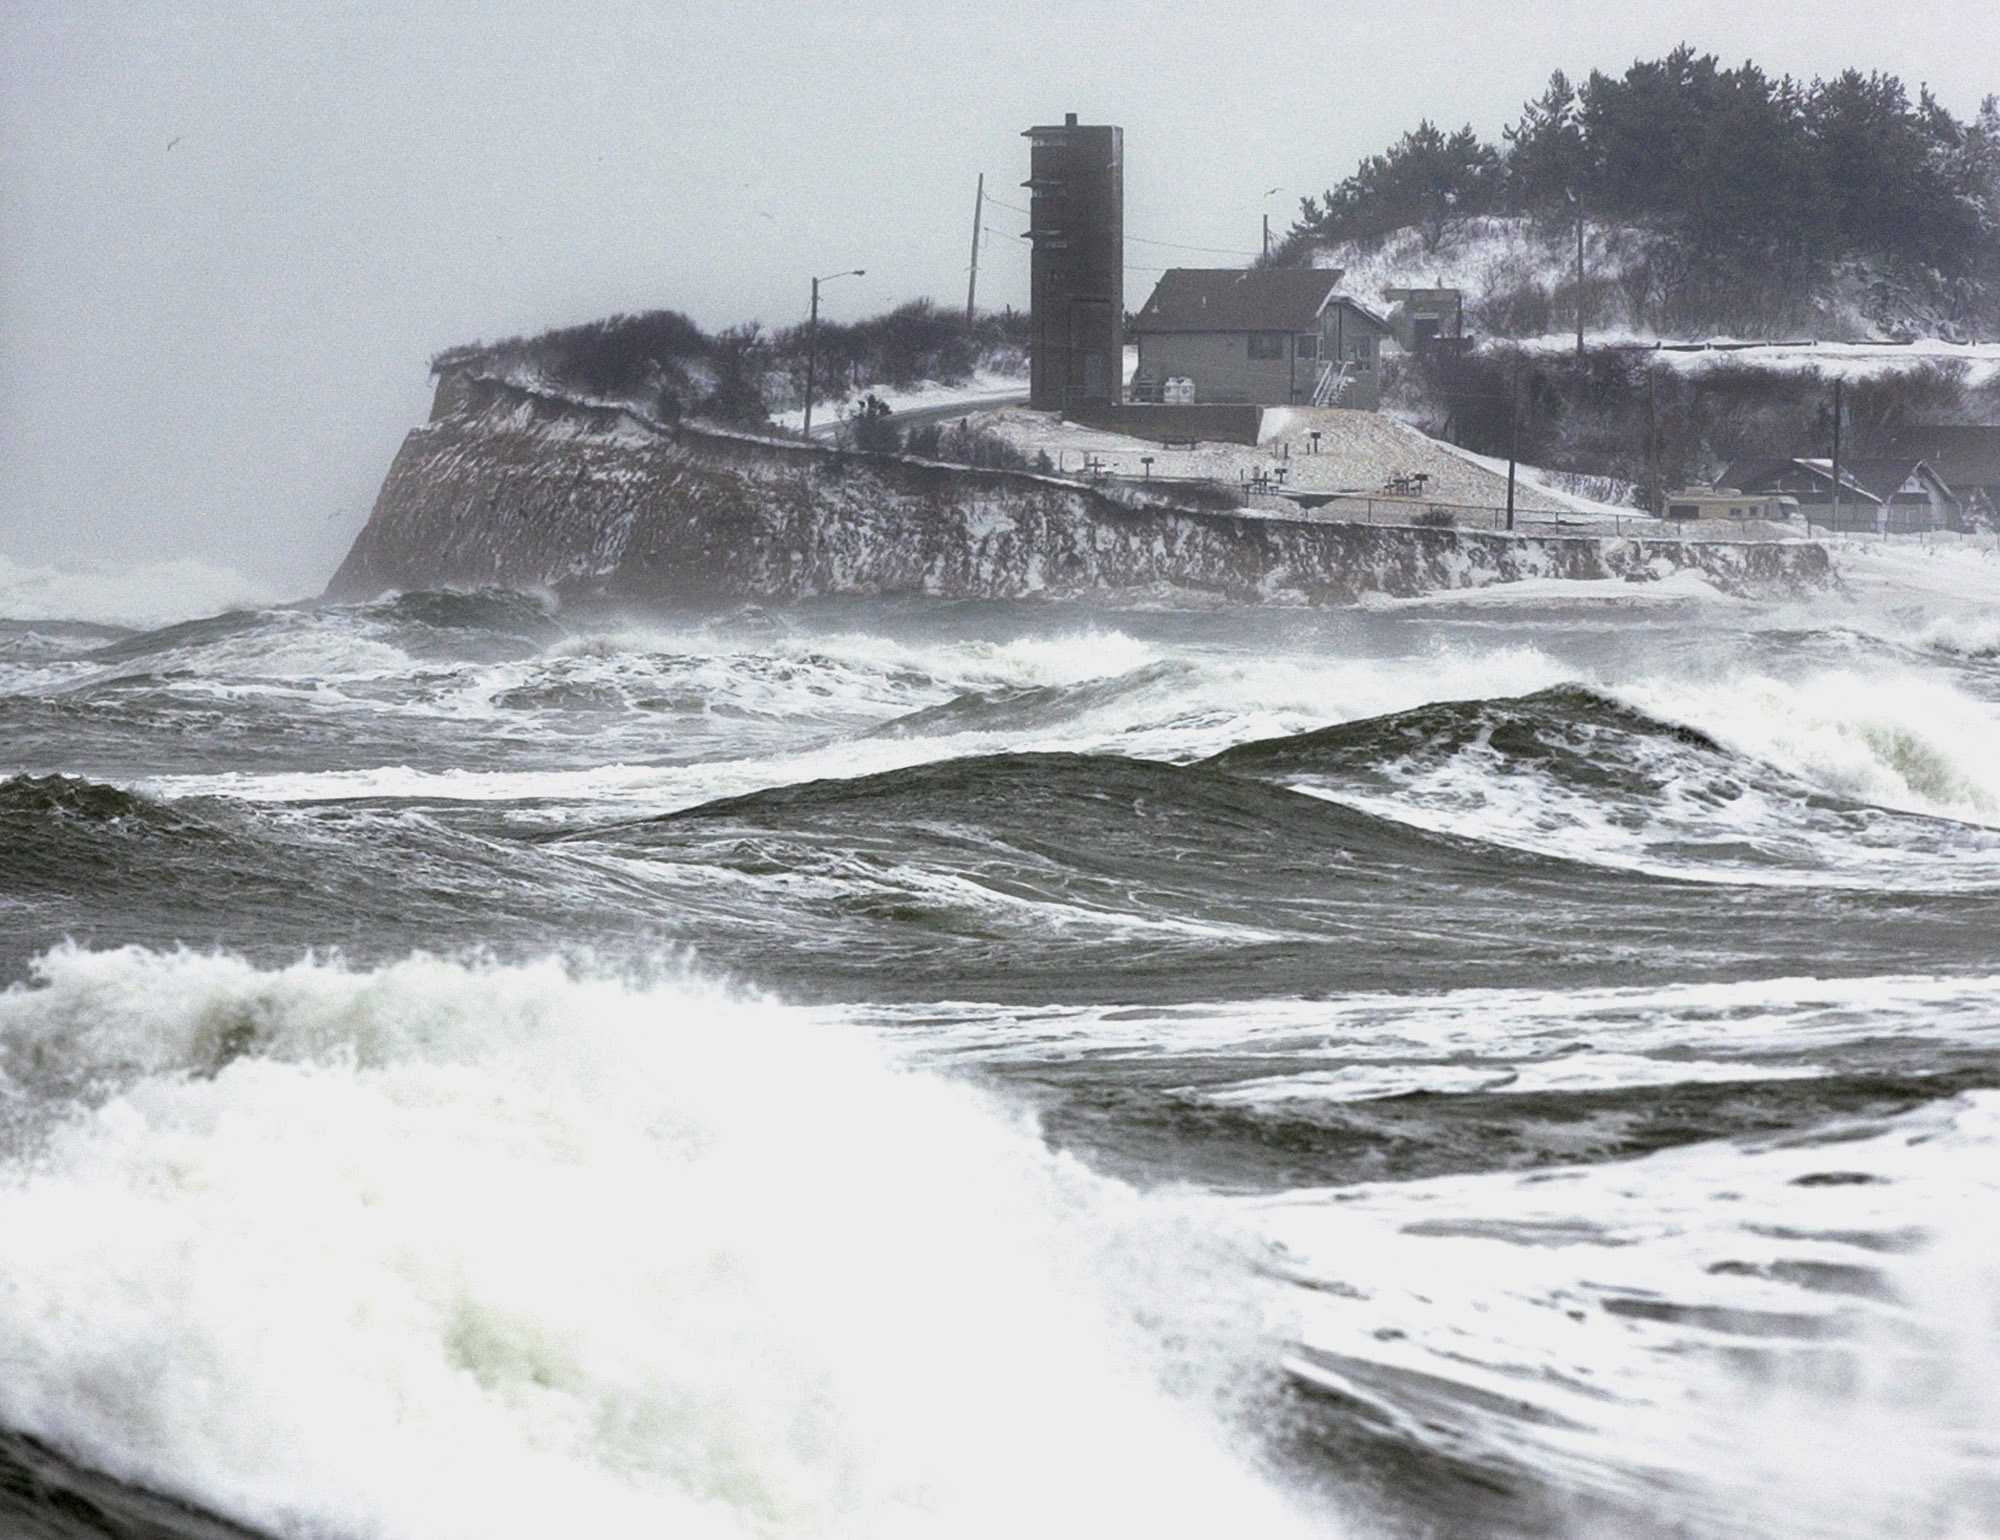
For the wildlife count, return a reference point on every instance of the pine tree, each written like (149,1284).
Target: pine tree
(1547,158)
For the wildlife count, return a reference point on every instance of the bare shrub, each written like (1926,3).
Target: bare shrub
(1523,309)
(963,444)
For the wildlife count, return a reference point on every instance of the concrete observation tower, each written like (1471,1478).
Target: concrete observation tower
(1076,187)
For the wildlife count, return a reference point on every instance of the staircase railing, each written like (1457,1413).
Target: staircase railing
(1332,382)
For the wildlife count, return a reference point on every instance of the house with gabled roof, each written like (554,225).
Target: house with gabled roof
(1896,494)
(1966,455)
(1270,336)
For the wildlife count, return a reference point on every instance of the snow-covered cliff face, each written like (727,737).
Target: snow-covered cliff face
(512,488)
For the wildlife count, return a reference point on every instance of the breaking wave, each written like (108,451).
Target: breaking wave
(1837,779)
(1969,636)
(1895,739)
(127,595)
(1512,1042)
(440,1250)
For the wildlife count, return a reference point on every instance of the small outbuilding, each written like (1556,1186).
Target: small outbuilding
(1427,319)
(1270,336)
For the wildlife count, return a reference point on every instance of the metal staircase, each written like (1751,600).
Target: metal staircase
(1332,382)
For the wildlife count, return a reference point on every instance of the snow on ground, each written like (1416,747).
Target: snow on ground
(1359,452)
(982,389)
(1497,255)
(1538,478)
(1848,360)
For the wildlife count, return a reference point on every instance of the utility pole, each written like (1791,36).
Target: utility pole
(1513,436)
(1835,516)
(1652,441)
(812,338)
(978,212)
(812,356)
(1267,235)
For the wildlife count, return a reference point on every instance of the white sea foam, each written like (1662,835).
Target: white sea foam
(440,1251)
(1891,737)
(1217,702)
(1055,657)
(1069,658)
(1682,587)
(1791,1335)
(312,648)
(1355,1045)
(1970,636)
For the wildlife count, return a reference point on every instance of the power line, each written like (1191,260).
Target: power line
(1214,251)
(1220,251)
(1130,267)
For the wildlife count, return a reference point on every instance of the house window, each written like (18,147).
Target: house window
(1308,345)
(1267,345)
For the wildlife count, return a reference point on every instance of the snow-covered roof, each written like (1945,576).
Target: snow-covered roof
(1875,478)
(1885,476)
(1234,299)
(1790,474)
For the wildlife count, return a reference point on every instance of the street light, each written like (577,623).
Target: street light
(812,337)
(1269,194)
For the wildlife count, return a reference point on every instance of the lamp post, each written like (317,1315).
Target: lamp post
(1269,194)
(812,337)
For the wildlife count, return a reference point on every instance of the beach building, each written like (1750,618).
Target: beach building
(1894,495)
(1270,336)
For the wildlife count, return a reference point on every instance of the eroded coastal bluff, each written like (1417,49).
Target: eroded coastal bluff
(512,486)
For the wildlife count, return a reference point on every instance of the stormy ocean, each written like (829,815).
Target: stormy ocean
(917,1069)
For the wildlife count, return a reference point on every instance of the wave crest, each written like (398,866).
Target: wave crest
(459,1251)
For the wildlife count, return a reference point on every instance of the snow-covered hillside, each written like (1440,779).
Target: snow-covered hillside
(1847,360)
(1485,257)
(1519,278)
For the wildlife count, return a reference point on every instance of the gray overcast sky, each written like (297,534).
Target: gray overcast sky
(235,233)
